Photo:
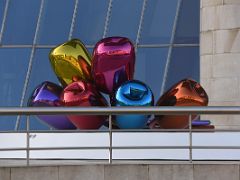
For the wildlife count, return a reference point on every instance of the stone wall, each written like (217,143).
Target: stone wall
(123,172)
(220,56)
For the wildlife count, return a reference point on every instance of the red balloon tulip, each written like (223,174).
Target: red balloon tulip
(83,94)
(113,63)
(187,92)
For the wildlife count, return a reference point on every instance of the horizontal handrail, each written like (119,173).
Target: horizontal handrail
(163,110)
(117,148)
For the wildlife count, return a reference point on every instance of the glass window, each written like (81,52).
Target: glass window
(55,26)
(149,67)
(158,21)
(56,21)
(14,64)
(21,22)
(35,124)
(188,22)
(125,17)
(41,71)
(90,20)
(184,64)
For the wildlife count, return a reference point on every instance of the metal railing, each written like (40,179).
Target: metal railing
(28,111)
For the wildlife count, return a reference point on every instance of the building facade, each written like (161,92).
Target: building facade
(219,56)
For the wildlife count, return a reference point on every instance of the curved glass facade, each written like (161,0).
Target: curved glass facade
(166,34)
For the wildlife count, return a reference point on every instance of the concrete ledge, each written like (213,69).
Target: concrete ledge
(124,171)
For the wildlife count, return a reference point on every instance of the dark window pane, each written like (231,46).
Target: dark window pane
(158,21)
(14,63)
(41,71)
(90,20)
(35,124)
(21,22)
(56,21)
(2,7)
(184,64)
(125,18)
(149,68)
(188,22)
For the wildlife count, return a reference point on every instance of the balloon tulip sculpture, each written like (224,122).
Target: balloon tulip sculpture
(187,92)
(71,61)
(48,94)
(83,94)
(132,93)
(111,71)
(113,63)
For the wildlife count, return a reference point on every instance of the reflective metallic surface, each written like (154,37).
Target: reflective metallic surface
(187,92)
(71,62)
(201,122)
(84,94)
(48,94)
(132,93)
(113,63)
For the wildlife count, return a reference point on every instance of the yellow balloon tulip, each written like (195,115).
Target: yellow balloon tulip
(71,62)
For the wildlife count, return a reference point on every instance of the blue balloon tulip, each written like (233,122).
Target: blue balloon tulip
(132,93)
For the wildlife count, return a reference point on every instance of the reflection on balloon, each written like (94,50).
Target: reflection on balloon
(187,92)
(113,63)
(84,94)
(201,123)
(132,93)
(71,61)
(48,94)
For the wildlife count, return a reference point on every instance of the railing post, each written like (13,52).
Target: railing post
(110,139)
(190,137)
(28,140)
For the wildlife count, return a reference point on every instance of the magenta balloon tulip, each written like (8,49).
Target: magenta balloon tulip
(48,94)
(113,63)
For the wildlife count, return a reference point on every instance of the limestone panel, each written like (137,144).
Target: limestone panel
(34,173)
(206,43)
(90,172)
(226,65)
(228,16)
(171,172)
(216,172)
(206,66)
(227,41)
(119,172)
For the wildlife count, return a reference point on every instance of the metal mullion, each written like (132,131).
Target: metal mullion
(171,47)
(73,20)
(92,46)
(190,137)
(110,140)
(4,20)
(30,62)
(107,19)
(28,141)
(140,24)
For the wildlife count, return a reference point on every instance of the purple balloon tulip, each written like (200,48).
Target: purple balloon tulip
(113,63)
(48,94)
(201,122)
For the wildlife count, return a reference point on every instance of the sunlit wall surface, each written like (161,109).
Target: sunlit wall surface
(165,32)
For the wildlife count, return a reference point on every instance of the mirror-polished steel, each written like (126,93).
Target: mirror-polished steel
(119,110)
(71,61)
